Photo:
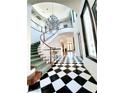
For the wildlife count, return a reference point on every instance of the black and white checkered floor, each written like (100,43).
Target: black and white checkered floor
(66,77)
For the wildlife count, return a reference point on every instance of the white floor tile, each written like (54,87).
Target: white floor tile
(81,69)
(61,74)
(54,68)
(72,68)
(90,86)
(51,73)
(72,75)
(45,82)
(63,68)
(58,84)
(71,64)
(73,86)
(85,76)
(79,64)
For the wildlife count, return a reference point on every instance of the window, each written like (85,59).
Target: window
(89,32)
(36,26)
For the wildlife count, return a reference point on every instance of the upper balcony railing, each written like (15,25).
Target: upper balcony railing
(48,34)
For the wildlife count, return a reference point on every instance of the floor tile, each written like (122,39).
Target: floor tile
(66,71)
(44,76)
(60,66)
(61,74)
(63,68)
(83,90)
(50,69)
(45,82)
(54,77)
(66,79)
(81,69)
(87,72)
(79,64)
(58,84)
(48,89)
(77,71)
(57,70)
(67,66)
(92,80)
(54,68)
(85,76)
(80,80)
(71,68)
(34,87)
(71,64)
(90,86)
(36,91)
(51,73)
(64,90)
(73,86)
(72,75)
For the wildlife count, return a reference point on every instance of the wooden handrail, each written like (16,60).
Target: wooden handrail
(48,47)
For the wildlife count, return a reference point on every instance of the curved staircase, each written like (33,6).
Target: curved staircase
(39,62)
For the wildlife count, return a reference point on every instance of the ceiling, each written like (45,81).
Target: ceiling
(46,9)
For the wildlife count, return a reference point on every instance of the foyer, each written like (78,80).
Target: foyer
(63,50)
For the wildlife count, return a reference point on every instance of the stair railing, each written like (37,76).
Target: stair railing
(43,39)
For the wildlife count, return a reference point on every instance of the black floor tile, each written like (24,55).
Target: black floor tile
(57,70)
(54,77)
(67,66)
(60,65)
(83,90)
(64,90)
(34,87)
(66,79)
(80,80)
(44,76)
(50,69)
(77,71)
(87,72)
(66,71)
(47,89)
(92,80)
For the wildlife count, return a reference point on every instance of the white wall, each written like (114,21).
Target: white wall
(29,35)
(89,64)
(35,36)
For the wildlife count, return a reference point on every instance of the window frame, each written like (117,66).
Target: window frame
(86,5)
(37,25)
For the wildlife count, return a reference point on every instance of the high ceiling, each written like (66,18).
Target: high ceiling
(46,9)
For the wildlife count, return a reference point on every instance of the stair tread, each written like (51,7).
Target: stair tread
(35,59)
(37,64)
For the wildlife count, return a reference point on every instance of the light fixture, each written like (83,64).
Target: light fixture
(52,22)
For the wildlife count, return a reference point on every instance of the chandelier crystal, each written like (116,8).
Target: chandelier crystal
(52,23)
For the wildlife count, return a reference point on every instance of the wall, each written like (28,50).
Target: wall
(35,36)
(89,64)
(29,36)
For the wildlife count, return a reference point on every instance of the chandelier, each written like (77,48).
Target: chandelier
(52,23)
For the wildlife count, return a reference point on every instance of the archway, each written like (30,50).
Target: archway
(76,5)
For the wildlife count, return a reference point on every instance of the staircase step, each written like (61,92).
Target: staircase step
(33,50)
(35,59)
(37,64)
(44,68)
(35,56)
(34,53)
